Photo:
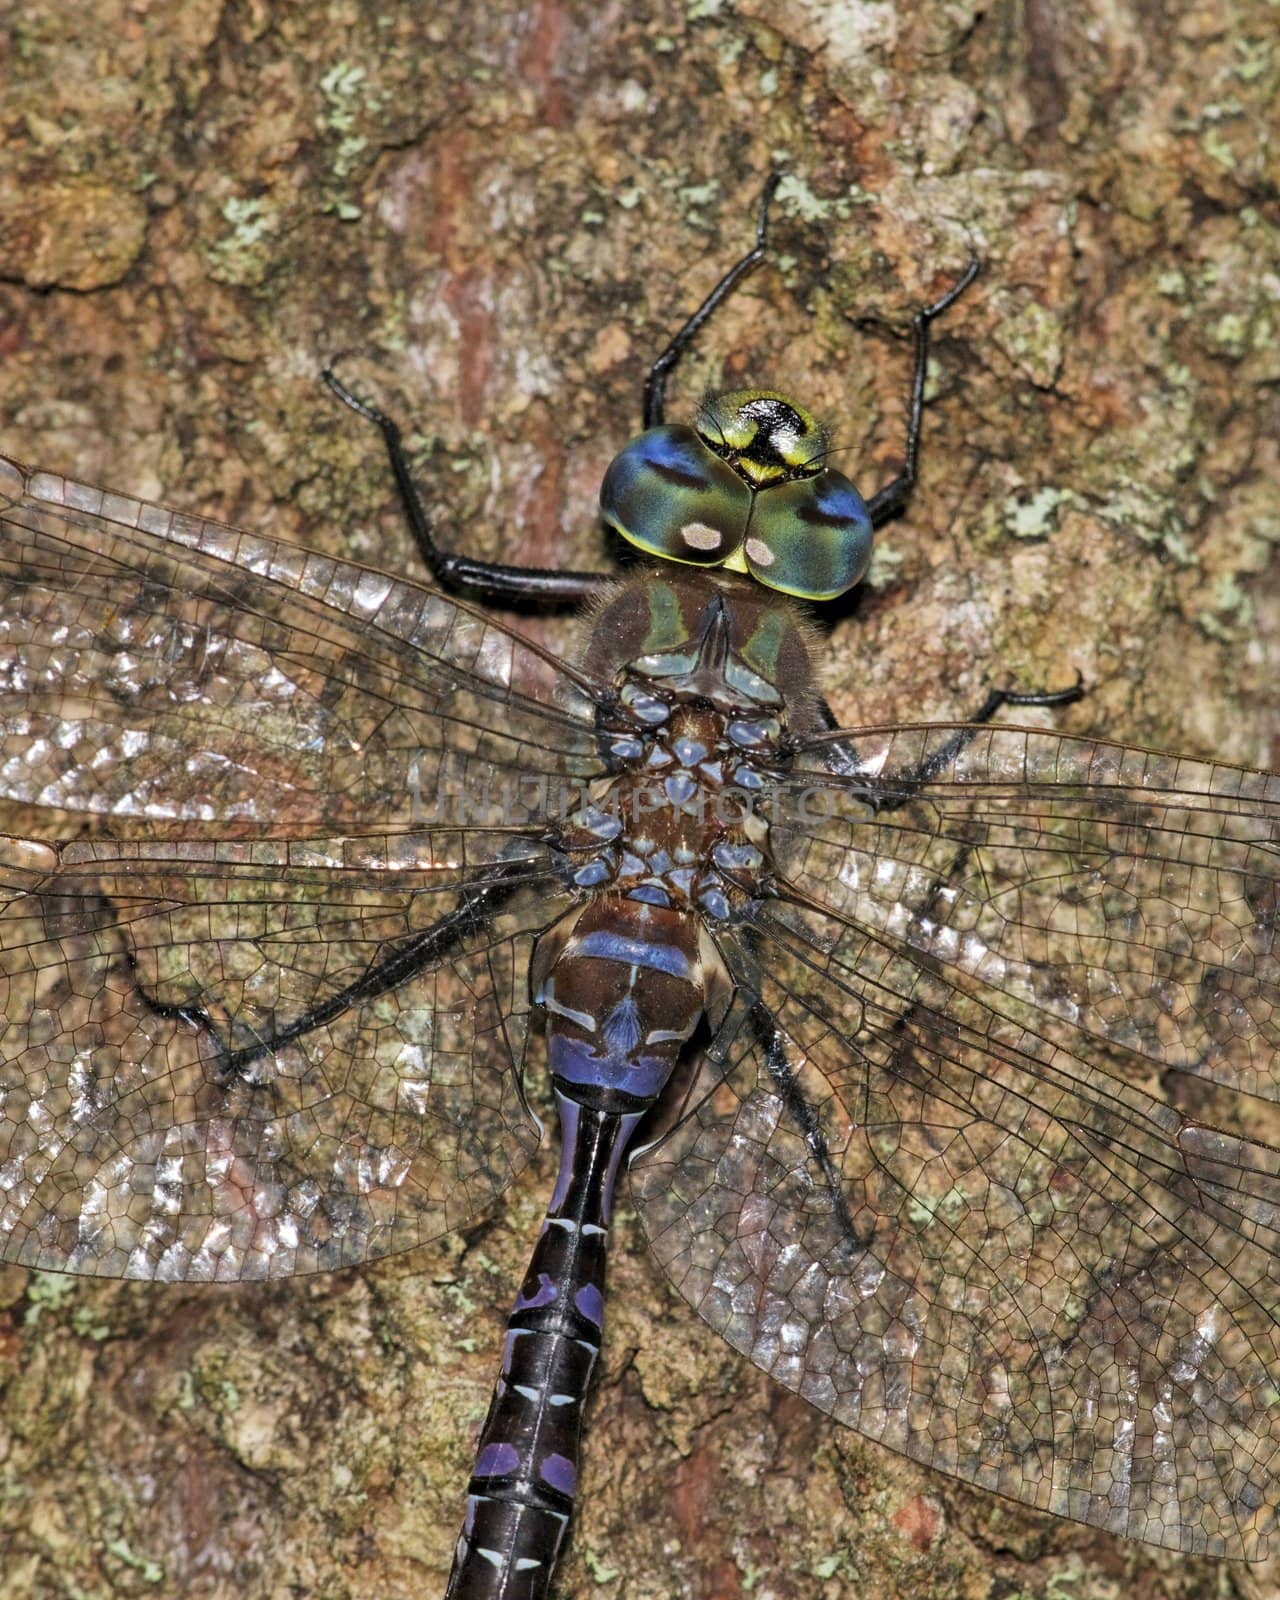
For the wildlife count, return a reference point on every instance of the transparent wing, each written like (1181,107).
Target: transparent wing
(259,1059)
(984,1253)
(265,922)
(937,1197)
(1102,890)
(162,667)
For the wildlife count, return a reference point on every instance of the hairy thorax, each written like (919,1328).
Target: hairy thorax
(698,730)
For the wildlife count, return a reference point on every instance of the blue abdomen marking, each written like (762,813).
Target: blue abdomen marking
(578,1063)
(605,945)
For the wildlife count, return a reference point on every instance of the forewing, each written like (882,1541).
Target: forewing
(162,667)
(250,1060)
(1095,889)
(982,1251)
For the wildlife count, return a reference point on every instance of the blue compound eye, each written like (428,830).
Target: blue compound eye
(667,493)
(810,538)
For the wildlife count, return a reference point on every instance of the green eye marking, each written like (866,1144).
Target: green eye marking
(810,538)
(745,489)
(667,493)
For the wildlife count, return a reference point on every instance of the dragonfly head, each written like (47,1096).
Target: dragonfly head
(747,488)
(765,437)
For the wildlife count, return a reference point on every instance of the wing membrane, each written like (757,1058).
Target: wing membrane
(985,1253)
(163,667)
(202,1074)
(1114,892)
(939,1200)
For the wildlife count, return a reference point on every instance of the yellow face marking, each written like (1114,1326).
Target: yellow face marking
(760,473)
(698,536)
(737,432)
(760,553)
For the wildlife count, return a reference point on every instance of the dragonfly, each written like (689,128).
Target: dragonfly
(309,870)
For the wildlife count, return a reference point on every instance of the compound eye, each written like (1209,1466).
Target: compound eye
(668,494)
(810,538)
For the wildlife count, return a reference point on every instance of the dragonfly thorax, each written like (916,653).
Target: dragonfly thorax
(673,636)
(698,735)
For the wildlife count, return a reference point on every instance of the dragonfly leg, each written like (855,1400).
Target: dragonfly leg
(889,501)
(491,581)
(481,897)
(655,386)
(803,1115)
(843,759)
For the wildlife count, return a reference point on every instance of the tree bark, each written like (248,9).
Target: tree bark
(500,212)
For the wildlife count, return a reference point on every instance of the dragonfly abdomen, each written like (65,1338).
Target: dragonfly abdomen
(624,985)
(522,1488)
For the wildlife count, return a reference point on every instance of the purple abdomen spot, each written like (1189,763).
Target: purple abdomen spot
(545,1295)
(560,1473)
(590,1302)
(496,1459)
(578,1062)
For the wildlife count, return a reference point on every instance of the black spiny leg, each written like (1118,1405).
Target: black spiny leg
(942,757)
(783,1075)
(482,897)
(655,386)
(886,503)
(491,581)
(842,758)
(890,500)
(494,581)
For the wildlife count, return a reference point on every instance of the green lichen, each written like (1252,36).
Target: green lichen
(1231,333)
(693,195)
(461,1299)
(1036,516)
(1231,611)
(149,1571)
(1064,1585)
(598,1569)
(86,1323)
(207,1385)
(228,1396)
(243,255)
(348,99)
(1255,58)
(1030,335)
(47,1291)
(795,196)
(1217,149)
(830,1566)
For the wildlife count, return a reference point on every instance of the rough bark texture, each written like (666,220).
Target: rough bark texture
(500,210)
